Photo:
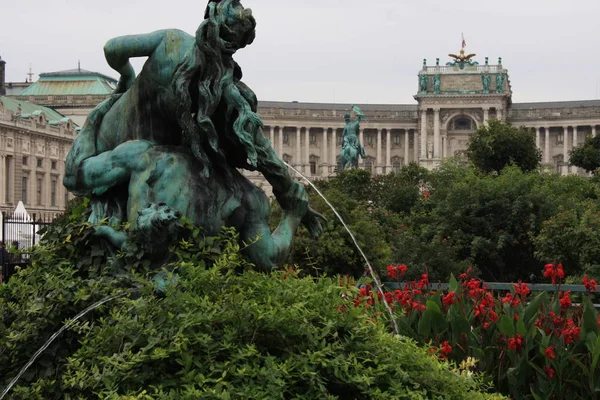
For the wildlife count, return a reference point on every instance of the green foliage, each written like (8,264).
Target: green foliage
(587,155)
(222,331)
(572,236)
(496,145)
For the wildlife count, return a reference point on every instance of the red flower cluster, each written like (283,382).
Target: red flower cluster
(554,272)
(565,299)
(559,325)
(516,343)
(449,299)
(406,298)
(590,284)
(396,271)
(445,350)
(549,372)
(522,289)
(513,300)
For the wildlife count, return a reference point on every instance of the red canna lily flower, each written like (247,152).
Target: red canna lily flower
(445,349)
(549,371)
(449,299)
(590,284)
(550,352)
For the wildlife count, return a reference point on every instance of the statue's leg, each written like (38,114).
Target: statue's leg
(116,238)
(270,249)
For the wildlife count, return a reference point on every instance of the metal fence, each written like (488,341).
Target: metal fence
(18,232)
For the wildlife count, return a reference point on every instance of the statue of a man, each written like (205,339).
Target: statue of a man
(485,80)
(351,146)
(500,83)
(430,149)
(436,84)
(423,83)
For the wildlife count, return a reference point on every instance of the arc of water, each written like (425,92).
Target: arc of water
(53,337)
(367,263)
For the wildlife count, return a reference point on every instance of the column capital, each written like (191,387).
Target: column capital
(485,108)
(436,110)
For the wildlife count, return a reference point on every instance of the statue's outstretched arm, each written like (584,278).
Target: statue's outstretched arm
(113,167)
(119,50)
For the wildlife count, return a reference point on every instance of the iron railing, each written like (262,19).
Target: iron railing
(18,232)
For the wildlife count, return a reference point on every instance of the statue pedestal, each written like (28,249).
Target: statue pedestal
(430,163)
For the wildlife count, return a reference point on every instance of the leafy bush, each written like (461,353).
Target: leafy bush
(219,330)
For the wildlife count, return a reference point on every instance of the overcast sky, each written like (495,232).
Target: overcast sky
(344,51)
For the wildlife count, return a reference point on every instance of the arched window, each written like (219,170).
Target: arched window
(463,124)
(369,162)
(313,162)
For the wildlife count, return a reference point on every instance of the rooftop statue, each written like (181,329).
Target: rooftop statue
(351,146)
(178,133)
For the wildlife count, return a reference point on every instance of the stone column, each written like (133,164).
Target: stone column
(486,115)
(537,138)
(334,147)
(566,150)
(547,146)
(444,147)
(280,144)
(436,133)
(594,132)
(415,147)
(379,168)
(2,178)
(324,163)
(424,134)
(298,160)
(405,146)
(272,136)
(307,151)
(388,151)
(575,139)
(361,161)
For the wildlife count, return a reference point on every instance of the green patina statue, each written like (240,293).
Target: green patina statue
(351,146)
(178,133)
(423,83)
(500,82)
(436,84)
(485,81)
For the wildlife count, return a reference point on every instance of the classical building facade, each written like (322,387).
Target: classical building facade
(34,142)
(451,102)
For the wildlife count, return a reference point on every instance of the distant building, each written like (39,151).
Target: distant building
(452,101)
(72,92)
(34,142)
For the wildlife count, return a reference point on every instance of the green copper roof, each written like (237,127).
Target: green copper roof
(28,109)
(73,82)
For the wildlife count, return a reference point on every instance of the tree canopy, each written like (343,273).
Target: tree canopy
(496,145)
(587,156)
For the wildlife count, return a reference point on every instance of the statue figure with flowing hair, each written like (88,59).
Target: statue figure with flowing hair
(183,127)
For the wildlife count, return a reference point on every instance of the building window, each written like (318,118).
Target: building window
(396,139)
(558,160)
(463,124)
(39,163)
(53,192)
(54,165)
(396,164)
(24,186)
(286,138)
(560,138)
(313,139)
(369,164)
(39,191)
(25,160)
(339,140)
(313,167)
